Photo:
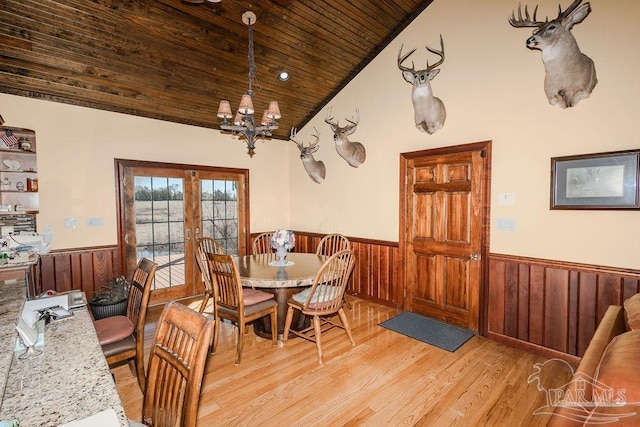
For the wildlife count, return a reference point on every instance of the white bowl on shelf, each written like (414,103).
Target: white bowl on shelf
(11,164)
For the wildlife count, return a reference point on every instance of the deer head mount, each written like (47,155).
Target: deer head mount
(315,168)
(429,111)
(570,74)
(353,152)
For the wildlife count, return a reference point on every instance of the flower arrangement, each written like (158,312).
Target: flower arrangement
(284,239)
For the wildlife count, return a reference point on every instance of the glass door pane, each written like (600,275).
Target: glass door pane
(160,223)
(219,204)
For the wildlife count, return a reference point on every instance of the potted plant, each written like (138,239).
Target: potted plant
(111,300)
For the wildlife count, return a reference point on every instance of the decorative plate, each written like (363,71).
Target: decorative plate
(14,165)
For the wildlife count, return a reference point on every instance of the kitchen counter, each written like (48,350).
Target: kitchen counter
(12,298)
(69,381)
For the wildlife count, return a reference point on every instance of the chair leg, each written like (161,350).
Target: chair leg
(214,337)
(241,328)
(205,300)
(287,323)
(216,328)
(317,329)
(345,323)
(216,332)
(274,325)
(137,370)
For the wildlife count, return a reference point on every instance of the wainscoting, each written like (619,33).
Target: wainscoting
(87,269)
(550,307)
(375,276)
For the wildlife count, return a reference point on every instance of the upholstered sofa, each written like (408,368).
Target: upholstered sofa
(605,388)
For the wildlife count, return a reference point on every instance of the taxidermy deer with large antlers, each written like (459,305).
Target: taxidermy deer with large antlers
(353,152)
(429,111)
(570,74)
(315,168)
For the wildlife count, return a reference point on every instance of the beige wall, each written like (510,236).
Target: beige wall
(76,151)
(492,87)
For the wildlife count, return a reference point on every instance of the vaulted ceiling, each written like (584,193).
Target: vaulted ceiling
(175,60)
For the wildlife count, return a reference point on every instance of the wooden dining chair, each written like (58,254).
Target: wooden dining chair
(323,300)
(237,304)
(332,243)
(262,244)
(122,337)
(176,367)
(207,245)
(329,245)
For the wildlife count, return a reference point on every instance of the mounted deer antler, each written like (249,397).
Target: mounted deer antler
(570,74)
(353,152)
(429,111)
(315,168)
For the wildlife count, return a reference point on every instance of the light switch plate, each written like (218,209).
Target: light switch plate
(69,222)
(507,198)
(506,224)
(95,221)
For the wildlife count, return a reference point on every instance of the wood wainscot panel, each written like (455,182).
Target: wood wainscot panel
(376,273)
(550,307)
(86,269)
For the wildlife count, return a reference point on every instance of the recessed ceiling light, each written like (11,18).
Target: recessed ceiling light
(284,76)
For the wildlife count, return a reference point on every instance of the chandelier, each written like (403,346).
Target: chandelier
(244,124)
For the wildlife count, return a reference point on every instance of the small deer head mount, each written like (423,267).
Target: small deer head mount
(353,152)
(570,74)
(315,168)
(429,111)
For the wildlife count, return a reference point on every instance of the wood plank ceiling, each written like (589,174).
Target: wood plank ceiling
(174,61)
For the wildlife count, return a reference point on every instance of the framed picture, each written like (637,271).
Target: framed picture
(596,181)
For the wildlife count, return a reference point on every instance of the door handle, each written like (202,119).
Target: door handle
(474,257)
(187,234)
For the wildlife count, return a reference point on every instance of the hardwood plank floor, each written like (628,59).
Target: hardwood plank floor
(387,379)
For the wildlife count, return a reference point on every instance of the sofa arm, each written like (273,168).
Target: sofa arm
(612,324)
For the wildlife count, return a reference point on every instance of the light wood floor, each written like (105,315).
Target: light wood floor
(387,379)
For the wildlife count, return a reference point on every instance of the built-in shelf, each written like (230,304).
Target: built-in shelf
(18,171)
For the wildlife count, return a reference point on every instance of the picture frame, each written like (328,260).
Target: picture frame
(596,181)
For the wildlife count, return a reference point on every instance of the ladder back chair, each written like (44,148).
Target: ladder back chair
(122,337)
(262,244)
(237,304)
(323,300)
(329,245)
(207,245)
(176,367)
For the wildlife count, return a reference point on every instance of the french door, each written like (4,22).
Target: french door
(165,207)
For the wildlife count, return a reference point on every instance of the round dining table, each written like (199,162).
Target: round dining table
(263,272)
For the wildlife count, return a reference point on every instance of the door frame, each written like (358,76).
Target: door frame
(120,165)
(484,219)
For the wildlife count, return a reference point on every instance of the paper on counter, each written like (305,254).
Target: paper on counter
(106,418)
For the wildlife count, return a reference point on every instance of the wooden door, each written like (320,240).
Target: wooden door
(445,232)
(164,208)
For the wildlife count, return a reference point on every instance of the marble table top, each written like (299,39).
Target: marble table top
(69,381)
(256,272)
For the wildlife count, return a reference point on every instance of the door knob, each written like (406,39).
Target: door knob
(474,257)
